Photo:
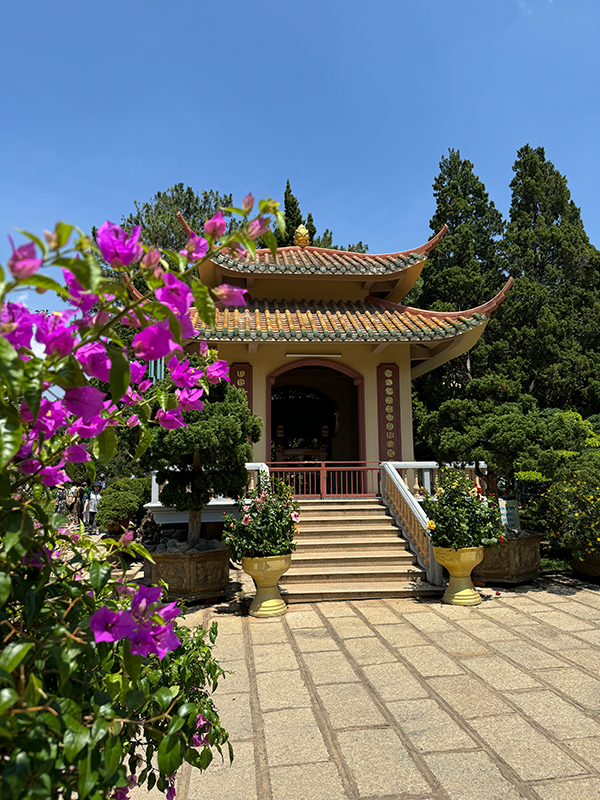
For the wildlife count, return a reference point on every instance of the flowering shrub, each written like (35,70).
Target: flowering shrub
(266,524)
(460,515)
(100,689)
(569,513)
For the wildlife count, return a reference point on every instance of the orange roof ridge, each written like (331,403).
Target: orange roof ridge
(484,309)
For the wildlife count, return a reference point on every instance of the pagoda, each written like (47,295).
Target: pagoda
(326,352)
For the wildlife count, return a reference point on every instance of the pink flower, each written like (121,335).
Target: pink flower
(151,259)
(86,430)
(112,626)
(257,227)
(117,246)
(189,399)
(171,789)
(154,342)
(133,421)
(16,324)
(84,401)
(248,203)
(215,226)
(52,476)
(217,371)
(80,297)
(236,250)
(170,419)
(130,319)
(77,454)
(246,519)
(175,294)
(94,360)
(126,539)
(144,385)
(137,371)
(182,374)
(57,337)
(230,295)
(23,262)
(203,348)
(295,516)
(195,249)
(29,467)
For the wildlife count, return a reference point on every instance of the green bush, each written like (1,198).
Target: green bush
(570,515)
(124,499)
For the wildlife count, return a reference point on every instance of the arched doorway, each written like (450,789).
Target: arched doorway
(316,408)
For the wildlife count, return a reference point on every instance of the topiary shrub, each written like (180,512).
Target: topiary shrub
(139,488)
(116,508)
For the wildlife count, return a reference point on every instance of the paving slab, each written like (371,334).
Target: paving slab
(285,689)
(292,736)
(562,719)
(584,789)
(429,727)
(469,696)
(368,650)
(577,685)
(466,776)
(349,705)
(401,636)
(500,673)
(319,782)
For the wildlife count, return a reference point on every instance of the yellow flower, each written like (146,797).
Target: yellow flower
(431,526)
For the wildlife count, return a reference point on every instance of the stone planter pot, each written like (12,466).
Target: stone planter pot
(589,566)
(513,561)
(265,572)
(193,576)
(459,563)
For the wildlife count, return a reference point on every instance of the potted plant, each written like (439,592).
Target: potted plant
(262,539)
(461,522)
(116,509)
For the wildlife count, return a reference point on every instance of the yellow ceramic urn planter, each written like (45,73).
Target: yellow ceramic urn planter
(266,572)
(459,563)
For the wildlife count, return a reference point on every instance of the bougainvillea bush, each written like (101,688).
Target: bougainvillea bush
(100,689)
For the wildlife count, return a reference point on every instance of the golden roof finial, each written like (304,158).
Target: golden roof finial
(301,237)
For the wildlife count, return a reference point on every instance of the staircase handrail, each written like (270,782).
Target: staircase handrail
(409,515)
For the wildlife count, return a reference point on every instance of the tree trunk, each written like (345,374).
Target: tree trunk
(196,514)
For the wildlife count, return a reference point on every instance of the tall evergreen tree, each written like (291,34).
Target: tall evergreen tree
(545,334)
(464,270)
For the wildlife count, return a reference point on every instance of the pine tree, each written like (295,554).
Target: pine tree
(293,218)
(545,334)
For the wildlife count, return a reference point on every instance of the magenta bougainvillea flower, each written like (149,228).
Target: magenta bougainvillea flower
(130,319)
(126,539)
(182,374)
(170,419)
(40,558)
(29,466)
(51,415)
(16,324)
(93,427)
(23,262)
(137,371)
(175,294)
(200,739)
(54,334)
(189,399)
(154,342)
(84,401)
(257,227)
(215,226)
(236,250)
(195,249)
(217,371)
(79,296)
(94,360)
(117,246)
(52,476)
(248,202)
(151,259)
(112,626)
(230,295)
(77,454)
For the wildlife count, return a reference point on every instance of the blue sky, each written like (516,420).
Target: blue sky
(107,103)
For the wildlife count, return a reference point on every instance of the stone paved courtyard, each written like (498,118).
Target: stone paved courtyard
(411,699)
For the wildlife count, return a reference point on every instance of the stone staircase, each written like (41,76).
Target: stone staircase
(350,549)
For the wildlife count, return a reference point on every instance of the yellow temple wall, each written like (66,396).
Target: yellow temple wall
(358,356)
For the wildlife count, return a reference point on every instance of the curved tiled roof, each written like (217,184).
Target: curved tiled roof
(322,261)
(306,320)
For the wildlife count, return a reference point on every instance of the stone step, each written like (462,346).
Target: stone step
(389,544)
(355,574)
(348,590)
(344,502)
(340,519)
(327,561)
(352,533)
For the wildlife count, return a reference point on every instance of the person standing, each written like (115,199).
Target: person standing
(91,507)
(60,500)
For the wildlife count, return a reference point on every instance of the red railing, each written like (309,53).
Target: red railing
(329,478)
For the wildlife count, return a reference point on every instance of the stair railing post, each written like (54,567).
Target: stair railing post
(323,479)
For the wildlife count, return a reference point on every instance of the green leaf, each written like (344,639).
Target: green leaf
(99,729)
(99,574)
(33,384)
(75,739)
(169,754)
(163,696)
(13,654)
(175,725)
(136,697)
(11,434)
(91,470)
(5,587)
(120,375)
(8,697)
(206,757)
(144,443)
(239,211)
(204,303)
(32,690)
(105,446)
(87,777)
(63,232)
(133,664)
(112,756)
(45,282)
(271,241)
(41,244)
(11,369)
